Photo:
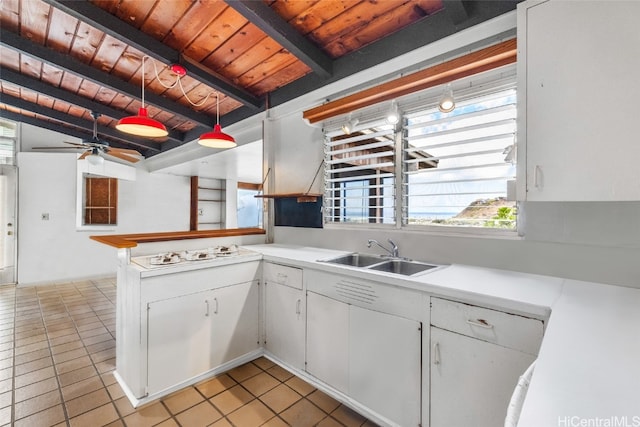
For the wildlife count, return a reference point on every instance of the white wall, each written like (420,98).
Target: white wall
(55,250)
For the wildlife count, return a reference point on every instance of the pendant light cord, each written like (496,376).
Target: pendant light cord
(178,83)
(143,58)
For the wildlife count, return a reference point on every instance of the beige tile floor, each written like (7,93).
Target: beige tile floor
(57,355)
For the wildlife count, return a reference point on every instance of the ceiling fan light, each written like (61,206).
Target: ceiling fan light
(95,159)
(217,139)
(142,125)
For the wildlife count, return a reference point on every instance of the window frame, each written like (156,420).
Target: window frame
(411,103)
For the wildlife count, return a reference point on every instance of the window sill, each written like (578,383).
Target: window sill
(482,233)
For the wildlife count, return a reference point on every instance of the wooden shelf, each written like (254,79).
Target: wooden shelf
(301,197)
(210,188)
(210,200)
(132,240)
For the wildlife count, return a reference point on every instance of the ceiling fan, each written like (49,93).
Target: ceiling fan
(95,148)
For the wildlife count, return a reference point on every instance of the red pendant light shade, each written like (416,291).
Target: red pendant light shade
(217,138)
(142,125)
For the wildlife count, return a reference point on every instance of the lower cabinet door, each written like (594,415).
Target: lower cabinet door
(234,319)
(328,340)
(284,322)
(385,364)
(471,380)
(178,340)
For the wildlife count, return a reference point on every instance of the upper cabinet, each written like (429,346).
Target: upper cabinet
(578,67)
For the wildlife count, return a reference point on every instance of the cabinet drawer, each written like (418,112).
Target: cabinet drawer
(508,330)
(282,274)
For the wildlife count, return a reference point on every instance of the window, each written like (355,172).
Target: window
(360,175)
(456,165)
(438,169)
(100,201)
(249,207)
(7,143)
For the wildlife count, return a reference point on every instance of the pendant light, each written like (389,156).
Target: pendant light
(447,103)
(142,124)
(217,138)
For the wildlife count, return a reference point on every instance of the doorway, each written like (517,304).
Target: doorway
(8,196)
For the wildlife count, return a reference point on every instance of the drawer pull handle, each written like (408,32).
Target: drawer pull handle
(206,314)
(282,277)
(481,323)
(216,309)
(298,306)
(436,353)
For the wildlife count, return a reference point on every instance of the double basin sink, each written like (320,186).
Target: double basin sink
(400,266)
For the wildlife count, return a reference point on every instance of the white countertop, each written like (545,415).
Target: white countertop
(588,368)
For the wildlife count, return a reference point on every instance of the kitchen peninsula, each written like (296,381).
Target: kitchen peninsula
(501,315)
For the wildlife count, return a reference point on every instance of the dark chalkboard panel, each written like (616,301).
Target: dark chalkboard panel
(290,213)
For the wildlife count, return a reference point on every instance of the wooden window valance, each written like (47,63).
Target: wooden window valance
(491,57)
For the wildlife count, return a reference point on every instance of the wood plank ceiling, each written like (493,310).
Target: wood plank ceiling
(62,59)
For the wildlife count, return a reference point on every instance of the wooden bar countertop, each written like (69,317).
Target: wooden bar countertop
(121,241)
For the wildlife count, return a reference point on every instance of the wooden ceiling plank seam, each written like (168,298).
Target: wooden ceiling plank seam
(58,36)
(32,14)
(197,18)
(288,10)
(116,28)
(224,27)
(247,37)
(386,23)
(285,75)
(135,13)
(162,19)
(253,57)
(36,85)
(317,15)
(475,62)
(353,21)
(86,71)
(11,15)
(281,31)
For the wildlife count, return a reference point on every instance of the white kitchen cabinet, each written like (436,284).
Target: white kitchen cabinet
(191,334)
(285,314)
(179,340)
(367,355)
(384,364)
(234,317)
(577,90)
(176,325)
(328,340)
(477,356)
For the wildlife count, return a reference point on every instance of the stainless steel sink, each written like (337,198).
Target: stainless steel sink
(385,264)
(356,260)
(404,267)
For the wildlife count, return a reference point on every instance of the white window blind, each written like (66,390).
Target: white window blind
(360,175)
(456,165)
(7,143)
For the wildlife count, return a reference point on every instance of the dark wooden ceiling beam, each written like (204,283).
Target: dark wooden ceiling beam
(262,16)
(65,62)
(456,10)
(115,27)
(78,122)
(38,86)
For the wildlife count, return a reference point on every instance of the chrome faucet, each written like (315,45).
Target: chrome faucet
(394,248)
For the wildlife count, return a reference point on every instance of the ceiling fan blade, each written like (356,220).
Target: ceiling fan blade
(75,144)
(125,151)
(123,156)
(85,154)
(58,148)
